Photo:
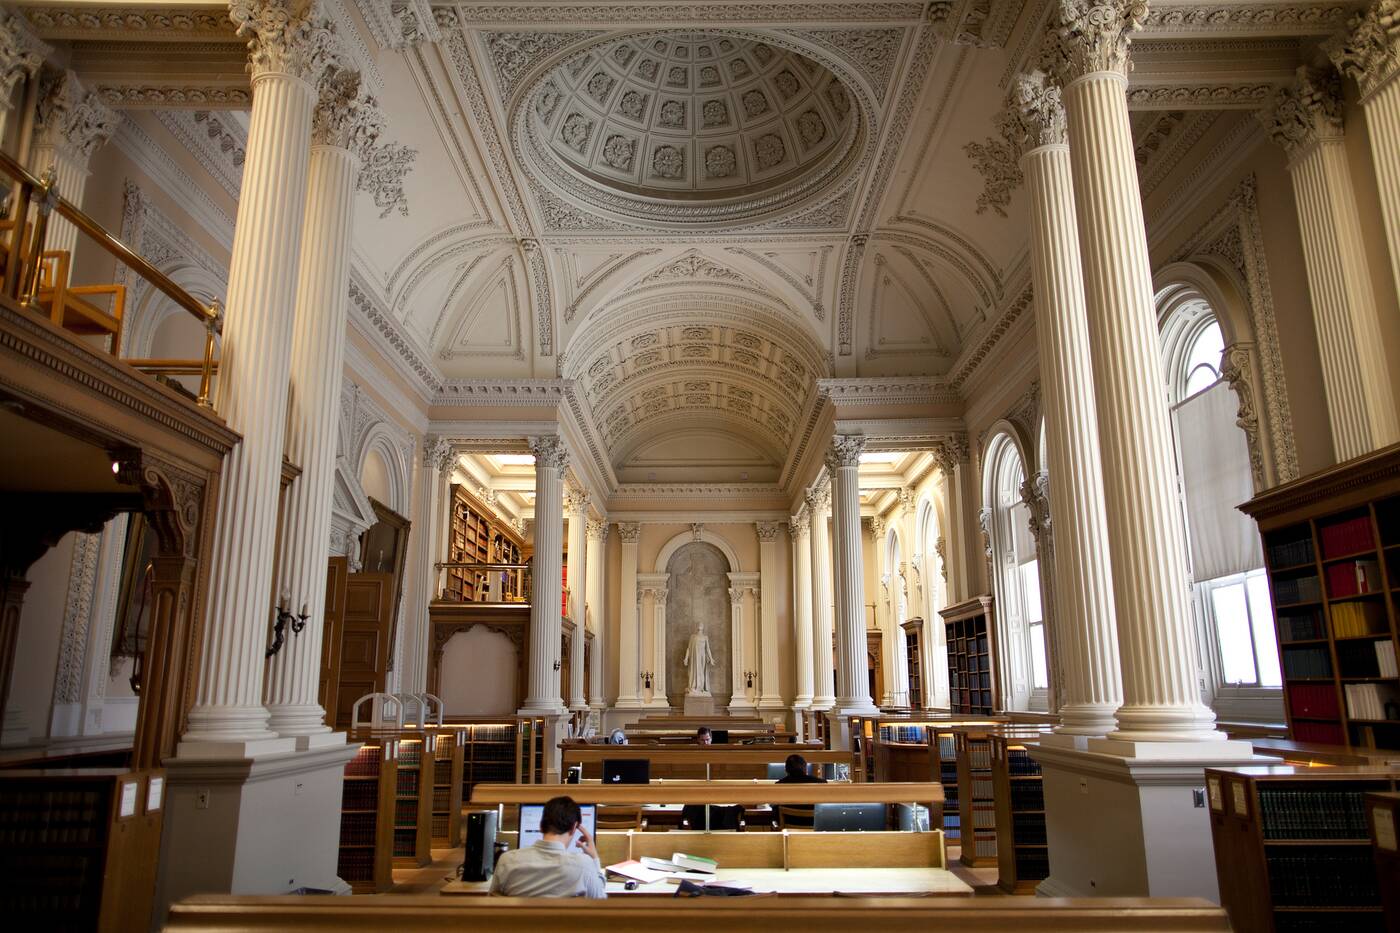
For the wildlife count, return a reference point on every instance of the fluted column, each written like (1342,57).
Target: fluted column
(1086,639)
(770,696)
(577,507)
(658,647)
(345,124)
(1146,540)
(1369,52)
(21,54)
(852,686)
(546,594)
(823,597)
(289,51)
(1306,120)
(802,607)
(431,508)
(959,486)
(883,609)
(594,608)
(70,123)
(908,567)
(629,631)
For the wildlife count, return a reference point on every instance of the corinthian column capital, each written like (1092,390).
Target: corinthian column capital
(549,452)
(1091,35)
(438,453)
(1037,113)
(1309,111)
(1368,50)
(345,116)
(289,37)
(70,117)
(21,53)
(845,451)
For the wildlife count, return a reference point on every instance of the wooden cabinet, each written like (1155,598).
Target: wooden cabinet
(913,659)
(1292,849)
(476,537)
(1332,550)
(1383,817)
(972,680)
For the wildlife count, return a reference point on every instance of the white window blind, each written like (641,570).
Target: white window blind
(1215,474)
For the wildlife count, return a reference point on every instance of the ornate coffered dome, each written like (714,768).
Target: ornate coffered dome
(688,128)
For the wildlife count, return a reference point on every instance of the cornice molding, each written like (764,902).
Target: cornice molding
(974,353)
(204,21)
(514,393)
(685,11)
(913,390)
(1295,18)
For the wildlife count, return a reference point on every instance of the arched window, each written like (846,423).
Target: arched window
(1231,593)
(1016,568)
(934,598)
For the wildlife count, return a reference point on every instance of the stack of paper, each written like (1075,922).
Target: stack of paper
(636,871)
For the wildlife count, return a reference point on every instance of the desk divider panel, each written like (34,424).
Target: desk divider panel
(865,850)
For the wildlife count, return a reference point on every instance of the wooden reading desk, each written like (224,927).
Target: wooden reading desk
(746,793)
(698,762)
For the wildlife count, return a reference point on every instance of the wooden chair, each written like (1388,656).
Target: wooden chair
(729,818)
(796,817)
(68,305)
(620,818)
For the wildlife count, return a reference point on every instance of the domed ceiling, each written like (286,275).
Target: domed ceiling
(688,127)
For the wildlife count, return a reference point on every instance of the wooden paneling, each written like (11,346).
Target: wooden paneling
(336,574)
(365,640)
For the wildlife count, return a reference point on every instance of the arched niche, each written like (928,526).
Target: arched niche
(689,537)
(697,591)
(477,673)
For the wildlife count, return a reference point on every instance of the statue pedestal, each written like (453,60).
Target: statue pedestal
(699,706)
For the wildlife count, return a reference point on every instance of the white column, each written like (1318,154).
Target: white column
(430,495)
(770,692)
(288,53)
(1306,120)
(21,54)
(1369,52)
(658,648)
(852,687)
(577,507)
(738,694)
(906,574)
(70,124)
(551,460)
(1146,540)
(802,606)
(883,609)
(959,489)
(629,680)
(345,123)
(594,610)
(823,598)
(1087,640)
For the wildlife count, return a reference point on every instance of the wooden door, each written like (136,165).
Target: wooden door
(365,640)
(874,668)
(336,572)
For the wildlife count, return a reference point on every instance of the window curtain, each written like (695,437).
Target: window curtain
(1216,478)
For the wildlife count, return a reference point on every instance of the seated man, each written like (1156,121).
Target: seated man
(555,866)
(702,736)
(796,768)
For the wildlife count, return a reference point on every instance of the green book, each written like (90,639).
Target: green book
(695,862)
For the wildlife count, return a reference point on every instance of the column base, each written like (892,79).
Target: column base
(658,703)
(857,708)
(555,710)
(770,701)
(231,732)
(742,706)
(265,824)
(821,703)
(628,703)
(1125,824)
(295,722)
(802,702)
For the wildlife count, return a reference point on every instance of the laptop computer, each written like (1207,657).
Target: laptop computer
(719,736)
(626,771)
(530,814)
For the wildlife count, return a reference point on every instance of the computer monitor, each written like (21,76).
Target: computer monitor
(776,770)
(626,771)
(530,814)
(848,817)
(719,736)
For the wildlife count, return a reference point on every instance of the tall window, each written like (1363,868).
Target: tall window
(1231,594)
(1025,668)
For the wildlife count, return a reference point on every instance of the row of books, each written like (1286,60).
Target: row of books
(1291,553)
(1029,830)
(1373,701)
(493,734)
(405,841)
(1323,878)
(405,813)
(407,783)
(1363,617)
(364,764)
(1313,701)
(1297,590)
(1354,577)
(1301,626)
(1323,733)
(1027,795)
(897,733)
(1365,658)
(1311,814)
(1306,662)
(1033,865)
(493,753)
(1385,659)
(1346,537)
(410,754)
(359,795)
(1021,762)
(357,829)
(57,817)
(356,865)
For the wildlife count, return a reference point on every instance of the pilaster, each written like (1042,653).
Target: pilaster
(801,534)
(884,607)
(629,641)
(594,603)
(546,595)
(853,690)
(770,696)
(576,506)
(823,597)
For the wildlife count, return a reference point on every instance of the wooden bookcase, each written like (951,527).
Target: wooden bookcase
(413,802)
(1332,551)
(1383,821)
(1023,857)
(976,797)
(367,817)
(1292,850)
(448,765)
(923,749)
(476,537)
(914,660)
(489,754)
(972,681)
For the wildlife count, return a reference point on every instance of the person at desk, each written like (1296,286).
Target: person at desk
(796,772)
(703,736)
(554,866)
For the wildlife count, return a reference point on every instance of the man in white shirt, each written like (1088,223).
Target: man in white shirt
(556,865)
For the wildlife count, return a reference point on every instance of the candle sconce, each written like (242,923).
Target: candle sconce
(748,678)
(284,617)
(646,679)
(557,665)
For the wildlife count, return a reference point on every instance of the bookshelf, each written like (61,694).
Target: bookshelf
(923,749)
(413,803)
(972,682)
(1383,819)
(1292,850)
(448,765)
(1023,856)
(977,789)
(913,658)
(530,757)
(488,753)
(476,537)
(1332,553)
(365,859)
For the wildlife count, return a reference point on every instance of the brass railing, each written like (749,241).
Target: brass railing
(24,261)
(518,574)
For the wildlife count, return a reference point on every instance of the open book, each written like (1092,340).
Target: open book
(682,863)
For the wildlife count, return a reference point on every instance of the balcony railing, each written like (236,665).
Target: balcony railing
(493,578)
(38,279)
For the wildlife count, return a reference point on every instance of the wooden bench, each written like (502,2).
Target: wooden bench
(427,914)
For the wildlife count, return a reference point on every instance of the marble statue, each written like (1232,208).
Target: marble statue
(699,660)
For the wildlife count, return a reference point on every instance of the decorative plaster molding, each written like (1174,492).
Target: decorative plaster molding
(875,390)
(77,617)
(550,452)
(80,22)
(1245,95)
(845,451)
(629,532)
(180,96)
(973,356)
(1302,115)
(657,13)
(70,118)
(21,54)
(1297,17)
(383,324)
(502,392)
(290,37)
(398,24)
(345,117)
(1368,50)
(219,144)
(1090,36)
(382,172)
